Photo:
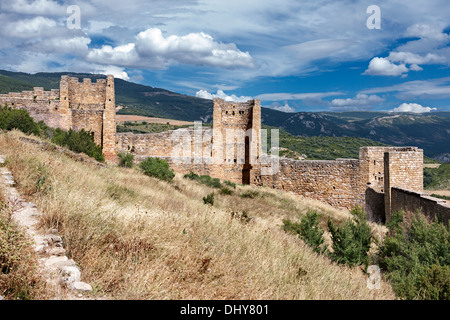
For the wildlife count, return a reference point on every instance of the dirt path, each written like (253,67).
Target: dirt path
(63,277)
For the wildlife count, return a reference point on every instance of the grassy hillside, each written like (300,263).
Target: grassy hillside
(437,178)
(136,237)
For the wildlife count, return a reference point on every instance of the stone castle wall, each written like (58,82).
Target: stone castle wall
(410,201)
(334,182)
(403,168)
(232,151)
(76,105)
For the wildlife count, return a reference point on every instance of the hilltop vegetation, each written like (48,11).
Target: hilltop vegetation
(437,178)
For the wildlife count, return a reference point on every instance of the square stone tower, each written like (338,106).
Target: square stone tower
(236,139)
(91,106)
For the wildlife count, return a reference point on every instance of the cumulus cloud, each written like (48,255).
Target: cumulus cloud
(28,28)
(412,58)
(412,107)
(361,100)
(38,7)
(283,108)
(152,49)
(427,31)
(117,72)
(383,67)
(222,95)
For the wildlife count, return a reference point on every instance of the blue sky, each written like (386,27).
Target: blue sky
(293,55)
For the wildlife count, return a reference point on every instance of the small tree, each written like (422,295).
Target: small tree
(125,160)
(308,230)
(351,241)
(157,168)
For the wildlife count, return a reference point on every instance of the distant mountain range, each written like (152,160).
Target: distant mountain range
(430,131)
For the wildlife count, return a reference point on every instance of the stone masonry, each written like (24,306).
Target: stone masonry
(231,150)
(76,105)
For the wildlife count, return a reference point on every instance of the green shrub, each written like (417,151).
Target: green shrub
(78,141)
(308,230)
(351,240)
(250,194)
(209,199)
(157,168)
(125,159)
(434,283)
(204,179)
(225,190)
(18,119)
(191,175)
(229,183)
(415,256)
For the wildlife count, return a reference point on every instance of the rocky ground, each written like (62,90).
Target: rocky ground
(63,277)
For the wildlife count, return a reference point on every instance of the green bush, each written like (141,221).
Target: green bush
(250,194)
(308,230)
(18,119)
(78,141)
(351,240)
(191,176)
(415,256)
(204,179)
(209,199)
(231,184)
(125,159)
(157,168)
(225,190)
(434,284)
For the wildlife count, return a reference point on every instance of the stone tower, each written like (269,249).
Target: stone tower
(236,139)
(91,106)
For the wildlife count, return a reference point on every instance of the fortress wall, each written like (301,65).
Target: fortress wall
(403,168)
(85,94)
(180,142)
(77,105)
(89,120)
(335,182)
(374,205)
(411,201)
(41,105)
(371,163)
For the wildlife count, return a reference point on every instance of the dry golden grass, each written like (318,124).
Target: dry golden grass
(136,237)
(19,275)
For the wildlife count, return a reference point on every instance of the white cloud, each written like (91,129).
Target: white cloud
(28,28)
(222,95)
(153,50)
(426,89)
(283,108)
(412,107)
(117,72)
(295,96)
(383,67)
(428,31)
(361,100)
(124,55)
(318,49)
(37,7)
(415,59)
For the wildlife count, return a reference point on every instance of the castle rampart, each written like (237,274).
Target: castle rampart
(76,105)
(383,179)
